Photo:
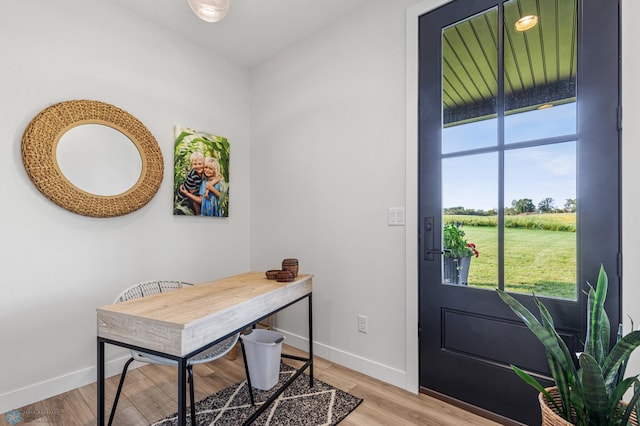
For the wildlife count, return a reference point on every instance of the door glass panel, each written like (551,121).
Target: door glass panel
(470,233)
(527,244)
(540,220)
(526,126)
(539,69)
(471,135)
(469,82)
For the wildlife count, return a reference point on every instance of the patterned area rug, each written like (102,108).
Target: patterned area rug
(299,404)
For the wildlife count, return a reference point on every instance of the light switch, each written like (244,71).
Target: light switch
(396,216)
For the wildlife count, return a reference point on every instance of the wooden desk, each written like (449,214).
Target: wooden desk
(181,323)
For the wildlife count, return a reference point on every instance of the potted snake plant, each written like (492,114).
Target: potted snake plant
(591,384)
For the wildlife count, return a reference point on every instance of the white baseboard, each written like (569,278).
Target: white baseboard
(362,365)
(39,391)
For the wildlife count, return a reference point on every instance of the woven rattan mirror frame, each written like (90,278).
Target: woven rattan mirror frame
(40,141)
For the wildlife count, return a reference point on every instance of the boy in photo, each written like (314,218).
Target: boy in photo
(191,184)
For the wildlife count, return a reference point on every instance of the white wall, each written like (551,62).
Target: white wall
(328,160)
(56,267)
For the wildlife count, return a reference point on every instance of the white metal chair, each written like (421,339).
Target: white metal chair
(218,350)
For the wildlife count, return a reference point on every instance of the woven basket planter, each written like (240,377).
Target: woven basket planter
(550,416)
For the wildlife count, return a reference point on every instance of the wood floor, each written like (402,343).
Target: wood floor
(149,394)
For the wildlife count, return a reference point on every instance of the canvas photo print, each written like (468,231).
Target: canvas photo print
(201,174)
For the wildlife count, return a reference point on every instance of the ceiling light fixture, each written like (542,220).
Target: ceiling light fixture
(526,23)
(210,10)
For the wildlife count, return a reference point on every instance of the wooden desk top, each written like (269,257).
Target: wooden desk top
(181,321)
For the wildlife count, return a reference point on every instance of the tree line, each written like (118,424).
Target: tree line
(521,206)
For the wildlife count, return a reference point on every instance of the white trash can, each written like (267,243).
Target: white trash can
(262,349)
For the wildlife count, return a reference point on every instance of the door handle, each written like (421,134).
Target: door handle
(430,249)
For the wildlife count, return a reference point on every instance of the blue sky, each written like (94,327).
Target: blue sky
(536,173)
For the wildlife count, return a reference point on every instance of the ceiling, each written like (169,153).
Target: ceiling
(253,30)
(539,64)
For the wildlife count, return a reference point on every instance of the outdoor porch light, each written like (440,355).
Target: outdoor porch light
(209,10)
(526,23)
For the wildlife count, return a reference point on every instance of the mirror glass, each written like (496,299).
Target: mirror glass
(99,159)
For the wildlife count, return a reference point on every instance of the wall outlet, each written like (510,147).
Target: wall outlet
(362,324)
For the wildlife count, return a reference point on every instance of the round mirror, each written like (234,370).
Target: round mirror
(92,158)
(98,159)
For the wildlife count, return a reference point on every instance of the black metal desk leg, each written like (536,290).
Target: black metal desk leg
(182,392)
(246,373)
(100,384)
(310,342)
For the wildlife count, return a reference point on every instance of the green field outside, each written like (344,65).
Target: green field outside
(536,260)
(546,221)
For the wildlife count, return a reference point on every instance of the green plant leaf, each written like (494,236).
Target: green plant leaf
(562,382)
(549,339)
(598,332)
(549,325)
(565,379)
(633,402)
(454,242)
(623,366)
(528,379)
(605,335)
(618,355)
(618,393)
(545,315)
(577,403)
(596,399)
